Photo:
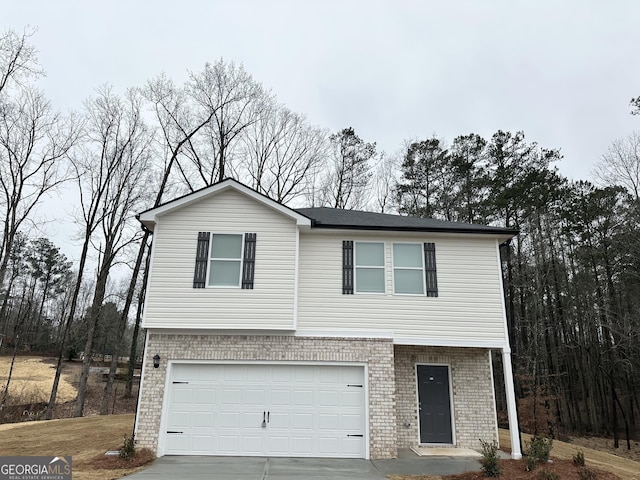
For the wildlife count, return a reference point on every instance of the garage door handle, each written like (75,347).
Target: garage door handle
(268,415)
(264,423)
(355,435)
(171,431)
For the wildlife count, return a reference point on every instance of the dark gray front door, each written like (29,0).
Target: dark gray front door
(434,404)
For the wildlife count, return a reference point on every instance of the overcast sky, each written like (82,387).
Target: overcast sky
(561,71)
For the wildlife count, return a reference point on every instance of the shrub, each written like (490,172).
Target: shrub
(578,459)
(539,448)
(529,464)
(586,473)
(489,460)
(548,475)
(128,449)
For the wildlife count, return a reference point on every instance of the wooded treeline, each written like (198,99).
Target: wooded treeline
(572,277)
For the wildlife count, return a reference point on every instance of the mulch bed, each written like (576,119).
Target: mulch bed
(563,470)
(111,462)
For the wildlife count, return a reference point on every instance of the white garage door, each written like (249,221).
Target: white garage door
(266,410)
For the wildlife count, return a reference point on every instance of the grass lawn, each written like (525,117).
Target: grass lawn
(31,381)
(85,439)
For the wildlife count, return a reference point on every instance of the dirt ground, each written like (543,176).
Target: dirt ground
(32,379)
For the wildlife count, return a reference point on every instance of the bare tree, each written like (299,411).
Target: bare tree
(34,142)
(235,101)
(18,60)
(621,164)
(115,173)
(282,153)
(385,178)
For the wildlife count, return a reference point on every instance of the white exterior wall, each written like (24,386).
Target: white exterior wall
(467,312)
(172,302)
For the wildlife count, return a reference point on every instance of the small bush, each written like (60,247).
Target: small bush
(128,449)
(539,448)
(578,459)
(586,473)
(530,464)
(548,475)
(489,460)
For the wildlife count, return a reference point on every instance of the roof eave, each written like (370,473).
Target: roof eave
(505,234)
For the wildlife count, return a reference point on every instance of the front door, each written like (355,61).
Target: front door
(434,404)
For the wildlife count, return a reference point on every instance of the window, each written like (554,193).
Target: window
(369,267)
(225,260)
(414,268)
(408,269)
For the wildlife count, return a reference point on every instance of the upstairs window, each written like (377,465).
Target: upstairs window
(225,260)
(369,267)
(408,269)
(225,263)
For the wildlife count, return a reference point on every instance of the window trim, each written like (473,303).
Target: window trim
(210,259)
(383,267)
(420,269)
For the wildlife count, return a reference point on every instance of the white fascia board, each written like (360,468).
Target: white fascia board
(200,330)
(440,342)
(391,234)
(345,333)
(149,218)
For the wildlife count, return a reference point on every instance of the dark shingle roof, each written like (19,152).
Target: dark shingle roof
(324,217)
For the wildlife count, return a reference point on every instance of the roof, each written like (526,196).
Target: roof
(324,217)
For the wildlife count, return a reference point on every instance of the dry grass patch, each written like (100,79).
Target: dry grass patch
(85,439)
(622,467)
(32,379)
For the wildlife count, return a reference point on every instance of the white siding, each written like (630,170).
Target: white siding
(173,302)
(467,311)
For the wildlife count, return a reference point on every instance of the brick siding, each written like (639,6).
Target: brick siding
(376,353)
(473,398)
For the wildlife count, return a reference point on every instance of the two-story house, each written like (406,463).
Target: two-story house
(318,332)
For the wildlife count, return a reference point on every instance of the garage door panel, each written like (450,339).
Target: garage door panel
(182,394)
(351,422)
(204,396)
(303,421)
(201,443)
(178,443)
(302,397)
(221,407)
(178,419)
(202,420)
(280,397)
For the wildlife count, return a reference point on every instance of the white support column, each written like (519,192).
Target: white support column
(516,452)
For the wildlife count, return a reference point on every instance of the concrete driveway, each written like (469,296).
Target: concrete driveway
(260,468)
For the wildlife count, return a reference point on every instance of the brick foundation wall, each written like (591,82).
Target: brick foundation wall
(376,353)
(473,399)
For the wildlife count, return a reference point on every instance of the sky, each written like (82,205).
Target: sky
(561,71)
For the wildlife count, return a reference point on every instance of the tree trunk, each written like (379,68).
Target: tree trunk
(136,329)
(94,315)
(104,408)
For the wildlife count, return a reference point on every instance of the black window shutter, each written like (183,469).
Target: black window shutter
(347,267)
(249,260)
(430,269)
(202,259)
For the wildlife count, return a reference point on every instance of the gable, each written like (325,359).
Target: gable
(149,218)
